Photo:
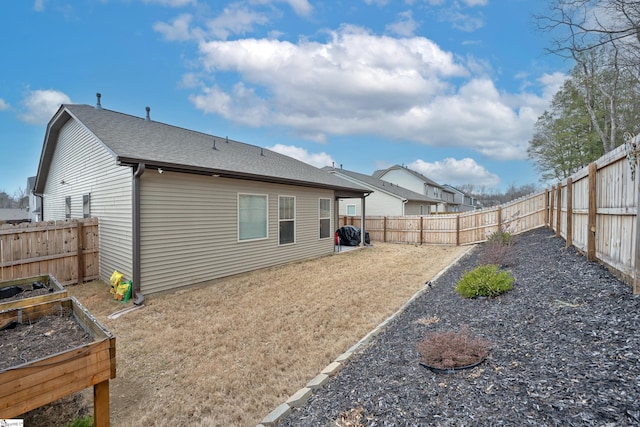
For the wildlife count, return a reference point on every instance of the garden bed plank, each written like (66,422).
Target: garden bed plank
(59,291)
(35,383)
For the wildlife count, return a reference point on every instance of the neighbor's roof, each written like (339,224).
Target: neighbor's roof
(10,214)
(135,140)
(418,175)
(382,185)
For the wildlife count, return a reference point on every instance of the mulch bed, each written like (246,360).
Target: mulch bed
(565,352)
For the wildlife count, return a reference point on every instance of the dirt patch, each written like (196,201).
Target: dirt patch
(25,342)
(230,352)
(36,289)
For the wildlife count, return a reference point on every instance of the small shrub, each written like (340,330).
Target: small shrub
(449,349)
(485,280)
(352,418)
(497,249)
(502,237)
(82,422)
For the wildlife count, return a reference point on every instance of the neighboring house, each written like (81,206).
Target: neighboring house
(386,199)
(415,181)
(464,202)
(35,203)
(13,216)
(179,207)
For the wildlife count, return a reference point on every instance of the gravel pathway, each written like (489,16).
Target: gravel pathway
(565,352)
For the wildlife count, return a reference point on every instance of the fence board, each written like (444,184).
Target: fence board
(52,247)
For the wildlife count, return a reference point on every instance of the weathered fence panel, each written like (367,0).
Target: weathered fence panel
(67,250)
(596,212)
(455,228)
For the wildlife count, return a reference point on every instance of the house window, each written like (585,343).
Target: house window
(67,207)
(287,219)
(325,218)
(86,205)
(252,216)
(351,210)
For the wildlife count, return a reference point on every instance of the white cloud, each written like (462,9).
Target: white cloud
(4,105)
(178,29)
(456,172)
(405,26)
(358,83)
(318,160)
(172,3)
(38,5)
(235,19)
(300,7)
(40,105)
(376,2)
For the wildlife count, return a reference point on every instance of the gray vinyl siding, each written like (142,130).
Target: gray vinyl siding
(87,167)
(418,208)
(189,231)
(376,204)
(406,180)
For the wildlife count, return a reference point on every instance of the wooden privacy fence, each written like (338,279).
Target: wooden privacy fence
(67,250)
(596,211)
(462,228)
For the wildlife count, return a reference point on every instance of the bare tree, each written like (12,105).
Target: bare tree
(581,25)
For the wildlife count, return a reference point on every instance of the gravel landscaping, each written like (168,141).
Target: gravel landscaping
(565,351)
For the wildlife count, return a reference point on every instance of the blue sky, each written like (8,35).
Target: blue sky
(450,88)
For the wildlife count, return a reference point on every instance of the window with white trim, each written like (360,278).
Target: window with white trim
(351,210)
(324,212)
(286,220)
(252,216)
(67,207)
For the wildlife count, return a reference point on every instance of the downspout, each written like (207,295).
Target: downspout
(136,233)
(363,230)
(404,206)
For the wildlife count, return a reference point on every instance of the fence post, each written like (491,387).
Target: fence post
(80,256)
(499,215)
(384,230)
(421,229)
(457,230)
(569,212)
(591,235)
(551,205)
(558,209)
(636,263)
(546,207)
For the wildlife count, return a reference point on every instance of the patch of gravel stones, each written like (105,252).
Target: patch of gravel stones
(565,352)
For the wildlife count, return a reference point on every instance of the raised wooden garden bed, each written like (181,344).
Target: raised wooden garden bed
(34,383)
(52,290)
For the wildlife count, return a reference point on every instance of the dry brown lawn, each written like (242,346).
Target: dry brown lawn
(229,352)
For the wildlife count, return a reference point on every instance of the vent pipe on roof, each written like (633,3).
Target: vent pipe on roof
(98,106)
(214,144)
(148,118)
(262,151)
(226,139)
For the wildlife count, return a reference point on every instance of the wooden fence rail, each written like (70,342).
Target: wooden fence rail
(67,250)
(596,211)
(457,228)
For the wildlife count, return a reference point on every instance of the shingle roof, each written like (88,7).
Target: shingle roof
(418,175)
(136,140)
(9,214)
(382,185)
